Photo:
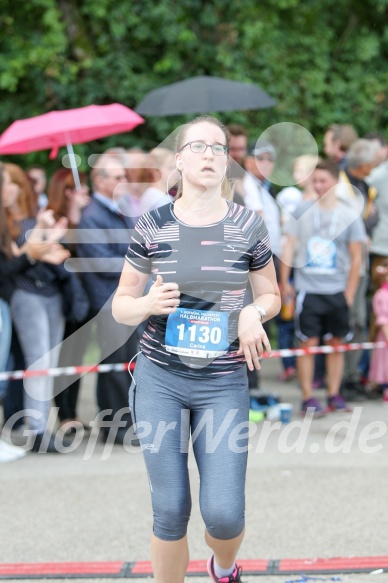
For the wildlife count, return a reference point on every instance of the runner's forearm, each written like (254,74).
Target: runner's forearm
(130,311)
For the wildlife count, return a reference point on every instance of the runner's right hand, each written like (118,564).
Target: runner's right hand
(163,297)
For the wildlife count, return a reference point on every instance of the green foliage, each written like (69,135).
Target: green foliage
(323,61)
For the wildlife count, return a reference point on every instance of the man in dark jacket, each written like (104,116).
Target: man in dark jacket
(101,253)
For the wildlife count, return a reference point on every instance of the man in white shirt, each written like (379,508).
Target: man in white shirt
(259,194)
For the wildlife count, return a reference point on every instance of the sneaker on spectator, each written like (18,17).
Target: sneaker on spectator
(9,452)
(313,403)
(288,374)
(233,578)
(337,403)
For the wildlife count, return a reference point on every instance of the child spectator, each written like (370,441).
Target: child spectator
(378,372)
(289,199)
(325,249)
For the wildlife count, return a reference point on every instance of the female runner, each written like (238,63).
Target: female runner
(190,377)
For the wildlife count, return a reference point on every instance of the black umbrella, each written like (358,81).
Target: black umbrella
(204,95)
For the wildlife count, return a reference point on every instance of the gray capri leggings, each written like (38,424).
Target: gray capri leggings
(166,408)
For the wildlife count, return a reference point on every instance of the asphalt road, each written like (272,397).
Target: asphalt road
(314,490)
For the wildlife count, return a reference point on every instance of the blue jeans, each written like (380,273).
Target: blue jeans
(5,342)
(40,324)
(167,408)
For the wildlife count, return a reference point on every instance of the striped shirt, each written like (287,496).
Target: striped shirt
(211,265)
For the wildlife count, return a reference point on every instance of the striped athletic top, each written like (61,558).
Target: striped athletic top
(211,265)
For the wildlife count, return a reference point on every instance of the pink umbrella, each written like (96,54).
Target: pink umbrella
(64,128)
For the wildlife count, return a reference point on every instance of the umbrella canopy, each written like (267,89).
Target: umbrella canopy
(62,128)
(204,95)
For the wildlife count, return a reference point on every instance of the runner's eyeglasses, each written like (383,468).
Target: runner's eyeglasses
(201,147)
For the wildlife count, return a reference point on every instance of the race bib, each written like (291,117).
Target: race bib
(321,256)
(198,333)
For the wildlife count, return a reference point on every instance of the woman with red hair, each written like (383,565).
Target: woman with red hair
(36,304)
(65,200)
(17,262)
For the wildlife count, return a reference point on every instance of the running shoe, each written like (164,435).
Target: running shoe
(313,403)
(233,578)
(337,403)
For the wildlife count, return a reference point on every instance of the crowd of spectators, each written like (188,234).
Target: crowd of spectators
(62,251)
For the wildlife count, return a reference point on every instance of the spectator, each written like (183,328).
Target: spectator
(291,196)
(238,146)
(163,175)
(66,201)
(138,177)
(259,194)
(64,198)
(289,199)
(38,179)
(378,372)
(337,141)
(236,169)
(129,203)
(378,178)
(361,160)
(381,143)
(35,306)
(102,261)
(326,254)
(7,191)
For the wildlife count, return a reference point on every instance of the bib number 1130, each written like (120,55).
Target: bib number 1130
(197,333)
(200,333)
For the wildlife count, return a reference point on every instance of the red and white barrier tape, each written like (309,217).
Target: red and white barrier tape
(327,349)
(79,370)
